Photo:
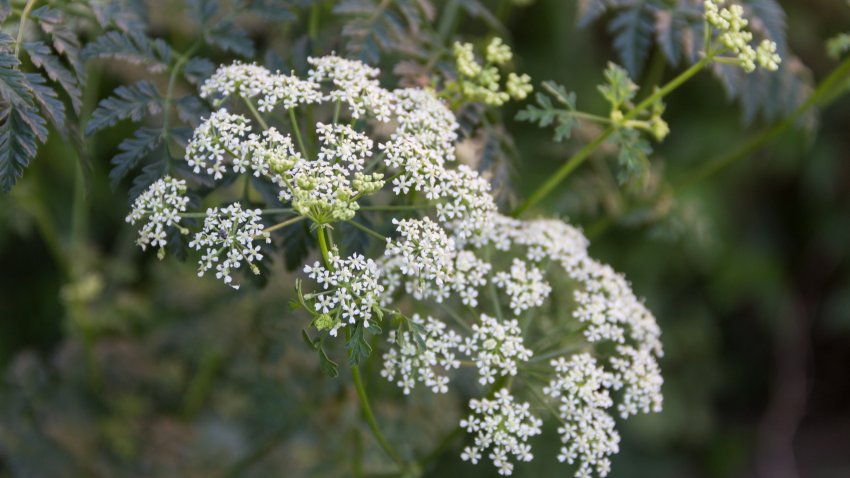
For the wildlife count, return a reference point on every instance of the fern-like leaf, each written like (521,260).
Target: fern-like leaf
(20,129)
(633,30)
(128,102)
(65,41)
(134,48)
(51,107)
(133,149)
(42,57)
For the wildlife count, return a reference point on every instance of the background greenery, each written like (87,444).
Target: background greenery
(115,364)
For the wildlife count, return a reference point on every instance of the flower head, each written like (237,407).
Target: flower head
(159,206)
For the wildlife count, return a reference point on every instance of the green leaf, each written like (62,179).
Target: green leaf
(328,366)
(313,344)
(42,57)
(634,153)
(230,37)
(620,89)
(133,149)
(65,41)
(13,83)
(127,102)
(134,47)
(358,347)
(20,128)
(45,97)
(546,113)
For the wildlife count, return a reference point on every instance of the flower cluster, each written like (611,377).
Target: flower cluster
(218,137)
(733,35)
(424,255)
(228,239)
(495,346)
(355,84)
(251,80)
(351,291)
(419,359)
(524,285)
(159,206)
(502,425)
(481,83)
(587,432)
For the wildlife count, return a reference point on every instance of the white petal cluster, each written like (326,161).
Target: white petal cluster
(545,239)
(228,239)
(637,371)
(587,430)
(355,84)
(218,137)
(470,275)
(733,35)
(503,426)
(351,291)
(495,346)
(425,363)
(251,80)
(327,189)
(159,206)
(424,256)
(524,285)
(468,209)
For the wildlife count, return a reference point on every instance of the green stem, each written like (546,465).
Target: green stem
(22,26)
(404,207)
(285,223)
(256,114)
(370,417)
(323,247)
(169,96)
(547,187)
(297,131)
(367,230)
(820,95)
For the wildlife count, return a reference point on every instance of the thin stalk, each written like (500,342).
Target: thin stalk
(367,230)
(547,187)
(819,96)
(22,26)
(256,113)
(370,417)
(405,207)
(297,131)
(285,223)
(169,97)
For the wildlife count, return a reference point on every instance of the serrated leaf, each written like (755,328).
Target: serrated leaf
(633,156)
(198,69)
(150,173)
(128,102)
(590,10)
(619,89)
(20,128)
(13,83)
(45,97)
(42,57)
(65,40)
(133,149)
(328,366)
(135,48)
(190,109)
(279,11)
(633,32)
(358,347)
(230,37)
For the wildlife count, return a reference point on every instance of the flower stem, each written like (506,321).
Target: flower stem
(256,114)
(370,417)
(547,187)
(22,26)
(297,131)
(367,230)
(285,223)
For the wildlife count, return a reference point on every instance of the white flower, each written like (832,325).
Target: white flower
(342,143)
(495,347)
(245,80)
(413,362)
(424,255)
(638,372)
(524,285)
(270,154)
(468,210)
(354,84)
(351,291)
(470,274)
(288,91)
(159,206)
(502,425)
(219,136)
(587,430)
(228,239)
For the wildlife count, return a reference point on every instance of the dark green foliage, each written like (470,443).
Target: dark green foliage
(375,27)
(132,47)
(127,102)
(298,240)
(41,56)
(633,155)
(20,127)
(358,345)
(133,149)
(632,28)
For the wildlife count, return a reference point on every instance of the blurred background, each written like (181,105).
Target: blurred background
(116,364)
